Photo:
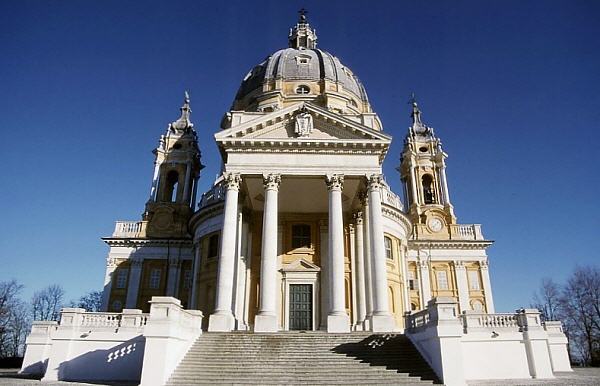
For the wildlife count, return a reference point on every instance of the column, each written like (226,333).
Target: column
(173,276)
(266,319)
(367,260)
(222,318)
(425,281)
(325,290)
(361,307)
(196,273)
(382,320)
(133,284)
(353,291)
(413,183)
(337,320)
(463,285)
(188,182)
(111,265)
(487,287)
(154,182)
(444,183)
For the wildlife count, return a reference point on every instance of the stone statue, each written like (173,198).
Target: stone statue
(304,124)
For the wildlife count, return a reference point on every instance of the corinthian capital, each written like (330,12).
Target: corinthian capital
(232,180)
(374,181)
(271,181)
(335,181)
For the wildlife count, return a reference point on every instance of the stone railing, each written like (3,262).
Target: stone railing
(466,232)
(417,320)
(131,229)
(78,317)
(390,198)
(215,194)
(477,320)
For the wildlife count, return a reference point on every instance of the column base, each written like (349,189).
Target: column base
(338,323)
(359,326)
(221,322)
(382,323)
(265,323)
(367,323)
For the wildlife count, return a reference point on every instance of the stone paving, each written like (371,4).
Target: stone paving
(579,377)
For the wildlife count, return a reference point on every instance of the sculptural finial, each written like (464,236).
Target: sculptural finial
(302,13)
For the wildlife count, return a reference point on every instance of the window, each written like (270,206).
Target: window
(474,281)
(388,248)
(303,89)
(213,246)
(187,279)
(301,236)
(121,281)
(172,185)
(413,307)
(427,183)
(154,281)
(117,306)
(442,280)
(412,281)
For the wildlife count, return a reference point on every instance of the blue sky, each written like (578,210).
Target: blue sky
(511,87)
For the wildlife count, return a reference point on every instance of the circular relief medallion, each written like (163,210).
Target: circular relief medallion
(435,224)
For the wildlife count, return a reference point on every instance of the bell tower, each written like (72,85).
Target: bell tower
(423,173)
(176,171)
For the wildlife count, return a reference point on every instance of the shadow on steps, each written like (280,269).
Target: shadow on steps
(395,352)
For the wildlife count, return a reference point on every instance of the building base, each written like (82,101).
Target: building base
(221,322)
(265,323)
(382,323)
(338,323)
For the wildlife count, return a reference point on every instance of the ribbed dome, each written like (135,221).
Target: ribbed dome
(292,64)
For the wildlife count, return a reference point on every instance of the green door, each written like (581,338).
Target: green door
(301,306)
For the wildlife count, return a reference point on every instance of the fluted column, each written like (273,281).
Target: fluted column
(337,320)
(462,285)
(133,284)
(425,281)
(195,275)
(173,277)
(266,319)
(361,307)
(222,318)
(382,320)
(487,287)
(111,266)
(325,289)
(367,258)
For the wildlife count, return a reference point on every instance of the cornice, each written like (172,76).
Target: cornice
(449,244)
(139,242)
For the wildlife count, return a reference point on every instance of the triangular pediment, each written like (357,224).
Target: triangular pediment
(300,265)
(302,122)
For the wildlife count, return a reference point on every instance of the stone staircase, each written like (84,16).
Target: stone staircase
(302,358)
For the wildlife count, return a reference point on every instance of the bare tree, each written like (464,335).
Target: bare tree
(547,299)
(91,302)
(19,326)
(9,305)
(46,303)
(579,304)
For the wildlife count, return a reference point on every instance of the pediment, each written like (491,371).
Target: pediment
(300,265)
(303,122)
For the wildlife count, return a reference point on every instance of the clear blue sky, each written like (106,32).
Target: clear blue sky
(87,88)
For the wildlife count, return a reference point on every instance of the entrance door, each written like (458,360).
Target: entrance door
(301,306)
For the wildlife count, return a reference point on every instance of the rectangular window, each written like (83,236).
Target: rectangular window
(388,248)
(187,279)
(301,236)
(213,246)
(474,283)
(154,282)
(442,280)
(121,281)
(412,281)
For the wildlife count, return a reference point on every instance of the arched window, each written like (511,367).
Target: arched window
(213,245)
(172,185)
(427,182)
(303,89)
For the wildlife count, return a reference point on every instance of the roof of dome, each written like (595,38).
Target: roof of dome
(302,61)
(289,64)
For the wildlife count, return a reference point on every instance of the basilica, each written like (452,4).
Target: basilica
(301,230)
(299,265)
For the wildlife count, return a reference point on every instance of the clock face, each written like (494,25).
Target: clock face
(435,224)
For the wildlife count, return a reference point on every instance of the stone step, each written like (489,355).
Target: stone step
(268,382)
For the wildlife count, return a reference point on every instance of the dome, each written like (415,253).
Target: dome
(302,72)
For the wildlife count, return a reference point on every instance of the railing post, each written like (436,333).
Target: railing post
(536,344)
